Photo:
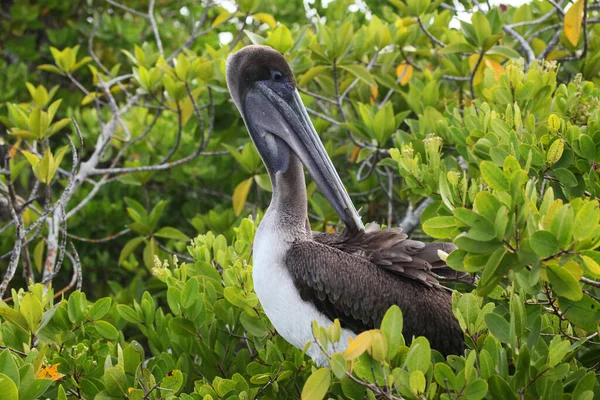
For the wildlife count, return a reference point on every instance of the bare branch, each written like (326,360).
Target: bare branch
(177,138)
(530,55)
(196,34)
(123,7)
(101,240)
(14,258)
(473,73)
(429,35)
(174,253)
(154,26)
(413,216)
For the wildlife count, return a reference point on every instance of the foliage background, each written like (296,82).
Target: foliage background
(459,125)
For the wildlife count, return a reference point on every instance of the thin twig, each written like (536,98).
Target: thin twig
(154,26)
(429,35)
(473,73)
(530,55)
(101,240)
(123,7)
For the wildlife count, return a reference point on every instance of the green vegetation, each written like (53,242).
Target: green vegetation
(120,144)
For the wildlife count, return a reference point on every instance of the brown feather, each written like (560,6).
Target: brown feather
(359,306)
(391,250)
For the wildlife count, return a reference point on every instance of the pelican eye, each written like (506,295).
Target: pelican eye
(276,76)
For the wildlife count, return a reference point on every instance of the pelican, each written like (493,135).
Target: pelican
(299,275)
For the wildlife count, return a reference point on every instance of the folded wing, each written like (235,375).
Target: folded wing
(358,292)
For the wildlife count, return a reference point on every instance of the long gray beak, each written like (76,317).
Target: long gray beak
(293,125)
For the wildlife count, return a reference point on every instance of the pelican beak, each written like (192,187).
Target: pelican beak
(271,120)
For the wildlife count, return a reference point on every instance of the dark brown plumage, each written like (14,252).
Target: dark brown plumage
(331,272)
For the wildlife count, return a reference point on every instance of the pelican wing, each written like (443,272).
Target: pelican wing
(391,250)
(358,293)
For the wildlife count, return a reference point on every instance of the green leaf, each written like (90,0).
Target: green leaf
(311,74)
(106,330)
(544,243)
(338,365)
(254,325)
(8,387)
(459,47)
(384,124)
(562,226)
(444,375)
(156,213)
(417,382)
(9,367)
(115,381)
(419,355)
(281,39)
(476,390)
(586,221)
(14,317)
(584,313)
(360,72)
(440,227)
(481,26)
(391,327)
(566,177)
(418,7)
(588,147)
(558,350)
(76,307)
(500,389)
(171,383)
(498,326)
(172,233)
(493,176)
(563,282)
(504,51)
(129,247)
(128,314)
(32,310)
(317,385)
(100,308)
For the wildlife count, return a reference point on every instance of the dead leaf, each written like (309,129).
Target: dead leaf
(50,372)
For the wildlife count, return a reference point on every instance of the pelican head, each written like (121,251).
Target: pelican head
(263,88)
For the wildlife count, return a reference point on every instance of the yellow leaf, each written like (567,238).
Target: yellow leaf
(573,20)
(574,269)
(240,194)
(354,154)
(50,372)
(358,346)
(221,18)
(14,148)
(374,94)
(486,62)
(329,229)
(404,71)
(265,19)
(496,66)
(591,265)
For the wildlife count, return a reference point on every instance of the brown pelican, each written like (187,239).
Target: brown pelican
(300,276)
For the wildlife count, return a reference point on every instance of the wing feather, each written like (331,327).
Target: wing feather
(391,250)
(358,293)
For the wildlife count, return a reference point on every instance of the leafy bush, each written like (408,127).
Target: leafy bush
(123,140)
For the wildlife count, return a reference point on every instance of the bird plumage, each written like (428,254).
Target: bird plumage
(301,276)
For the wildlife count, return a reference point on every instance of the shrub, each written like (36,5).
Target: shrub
(487,134)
